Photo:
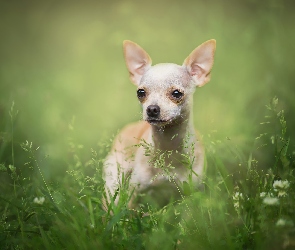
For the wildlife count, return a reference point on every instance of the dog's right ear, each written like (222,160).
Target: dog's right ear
(137,61)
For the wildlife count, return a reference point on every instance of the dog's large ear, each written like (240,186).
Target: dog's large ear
(137,60)
(200,62)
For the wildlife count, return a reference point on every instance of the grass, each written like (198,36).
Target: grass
(62,64)
(244,204)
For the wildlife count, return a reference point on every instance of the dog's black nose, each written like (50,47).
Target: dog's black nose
(153,111)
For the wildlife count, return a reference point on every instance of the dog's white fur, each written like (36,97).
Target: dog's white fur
(168,120)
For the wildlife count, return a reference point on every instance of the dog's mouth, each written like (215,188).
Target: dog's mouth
(159,122)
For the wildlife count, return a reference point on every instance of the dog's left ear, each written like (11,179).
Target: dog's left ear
(200,62)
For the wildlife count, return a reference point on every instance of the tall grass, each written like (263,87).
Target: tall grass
(64,58)
(244,204)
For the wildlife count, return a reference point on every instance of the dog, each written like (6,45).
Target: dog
(165,92)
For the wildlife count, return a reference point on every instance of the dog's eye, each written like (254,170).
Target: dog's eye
(177,94)
(140,93)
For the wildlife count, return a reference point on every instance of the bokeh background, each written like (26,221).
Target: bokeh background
(61,62)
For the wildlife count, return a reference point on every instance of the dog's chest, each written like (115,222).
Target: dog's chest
(159,167)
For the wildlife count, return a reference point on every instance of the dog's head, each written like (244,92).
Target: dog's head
(165,90)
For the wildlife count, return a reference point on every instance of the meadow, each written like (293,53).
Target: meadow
(63,84)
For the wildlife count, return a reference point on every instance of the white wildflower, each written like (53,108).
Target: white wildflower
(272,201)
(38,200)
(282,193)
(266,194)
(236,198)
(281,184)
(281,187)
(282,223)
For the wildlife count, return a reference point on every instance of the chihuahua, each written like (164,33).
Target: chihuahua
(165,92)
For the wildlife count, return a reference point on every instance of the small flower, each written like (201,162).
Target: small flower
(281,187)
(236,198)
(12,168)
(236,205)
(266,194)
(282,223)
(282,193)
(281,184)
(39,201)
(272,201)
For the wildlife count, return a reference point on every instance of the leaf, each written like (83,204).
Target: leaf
(186,188)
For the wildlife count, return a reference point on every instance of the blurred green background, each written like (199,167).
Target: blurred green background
(61,60)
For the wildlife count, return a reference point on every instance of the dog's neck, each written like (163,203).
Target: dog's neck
(173,136)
